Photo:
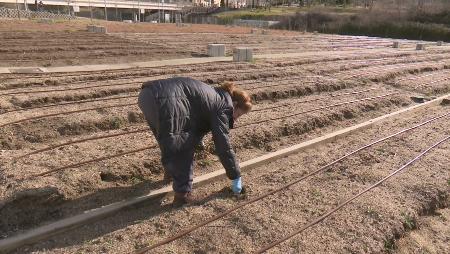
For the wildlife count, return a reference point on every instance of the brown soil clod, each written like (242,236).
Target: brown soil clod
(445,102)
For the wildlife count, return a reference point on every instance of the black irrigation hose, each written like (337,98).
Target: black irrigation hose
(286,186)
(69,89)
(69,103)
(51,147)
(329,213)
(79,164)
(68,112)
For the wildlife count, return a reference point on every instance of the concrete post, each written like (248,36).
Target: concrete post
(216,50)
(97,29)
(242,54)
(91,28)
(420,46)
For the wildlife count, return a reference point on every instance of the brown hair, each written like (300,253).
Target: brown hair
(238,95)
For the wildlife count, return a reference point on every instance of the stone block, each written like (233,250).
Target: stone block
(100,29)
(46,21)
(439,43)
(396,44)
(216,50)
(97,29)
(91,28)
(420,46)
(242,54)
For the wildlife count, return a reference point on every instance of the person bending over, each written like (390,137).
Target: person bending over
(180,112)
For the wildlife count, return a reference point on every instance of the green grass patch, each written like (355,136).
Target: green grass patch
(408,221)
(389,245)
(274,11)
(404,30)
(257,14)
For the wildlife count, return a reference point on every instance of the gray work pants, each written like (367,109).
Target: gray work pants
(179,165)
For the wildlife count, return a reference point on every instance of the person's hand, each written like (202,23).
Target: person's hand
(236,185)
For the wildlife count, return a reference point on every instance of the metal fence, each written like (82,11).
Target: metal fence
(17,14)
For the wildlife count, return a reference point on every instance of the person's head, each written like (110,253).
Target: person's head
(242,102)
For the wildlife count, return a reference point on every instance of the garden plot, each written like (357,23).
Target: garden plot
(77,141)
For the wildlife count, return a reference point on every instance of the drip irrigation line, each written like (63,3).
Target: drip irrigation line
(377,69)
(79,164)
(417,77)
(69,89)
(69,103)
(431,83)
(436,81)
(44,75)
(315,99)
(393,68)
(67,112)
(286,186)
(268,86)
(54,146)
(316,109)
(355,92)
(273,79)
(84,81)
(285,104)
(323,217)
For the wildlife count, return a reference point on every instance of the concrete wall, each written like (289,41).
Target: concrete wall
(254,23)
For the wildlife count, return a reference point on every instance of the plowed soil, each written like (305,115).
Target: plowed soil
(28,43)
(295,100)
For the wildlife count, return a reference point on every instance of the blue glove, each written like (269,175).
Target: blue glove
(236,185)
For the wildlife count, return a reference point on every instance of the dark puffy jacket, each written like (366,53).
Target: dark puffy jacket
(188,109)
